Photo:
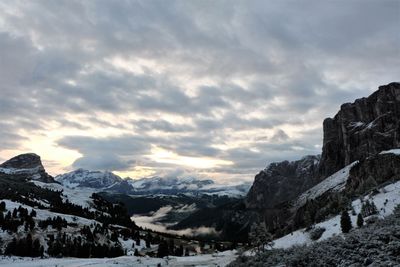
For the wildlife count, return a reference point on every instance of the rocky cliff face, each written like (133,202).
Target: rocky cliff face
(361,129)
(281,182)
(376,170)
(29,165)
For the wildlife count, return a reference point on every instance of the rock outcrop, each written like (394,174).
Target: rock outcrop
(29,165)
(281,182)
(376,170)
(361,129)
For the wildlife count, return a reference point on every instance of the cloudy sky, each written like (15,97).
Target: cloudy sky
(213,89)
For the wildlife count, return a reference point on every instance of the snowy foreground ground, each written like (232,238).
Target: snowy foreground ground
(386,200)
(218,259)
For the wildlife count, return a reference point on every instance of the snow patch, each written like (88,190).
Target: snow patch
(392,151)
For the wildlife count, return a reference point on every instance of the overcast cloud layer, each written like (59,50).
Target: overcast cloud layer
(214,89)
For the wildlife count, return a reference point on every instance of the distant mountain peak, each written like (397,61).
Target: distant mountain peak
(28,164)
(88,178)
(23,161)
(109,182)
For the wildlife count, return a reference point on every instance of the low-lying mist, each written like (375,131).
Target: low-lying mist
(152,222)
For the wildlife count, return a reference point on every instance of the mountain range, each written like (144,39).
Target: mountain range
(109,182)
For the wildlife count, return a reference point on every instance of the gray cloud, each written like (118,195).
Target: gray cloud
(108,162)
(124,145)
(218,69)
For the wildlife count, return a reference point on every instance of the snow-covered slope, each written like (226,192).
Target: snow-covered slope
(335,182)
(86,178)
(386,200)
(80,196)
(217,259)
(392,151)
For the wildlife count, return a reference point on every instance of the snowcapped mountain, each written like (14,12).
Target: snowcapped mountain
(162,183)
(86,178)
(107,181)
(173,185)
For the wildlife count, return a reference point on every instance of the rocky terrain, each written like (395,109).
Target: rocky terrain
(361,129)
(28,165)
(281,182)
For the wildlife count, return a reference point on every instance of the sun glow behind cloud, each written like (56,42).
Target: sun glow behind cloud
(209,89)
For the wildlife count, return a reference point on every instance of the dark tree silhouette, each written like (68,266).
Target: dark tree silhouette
(345,222)
(360,220)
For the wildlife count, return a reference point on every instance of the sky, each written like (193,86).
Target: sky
(211,89)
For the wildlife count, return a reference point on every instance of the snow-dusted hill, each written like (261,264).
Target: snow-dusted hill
(335,182)
(385,200)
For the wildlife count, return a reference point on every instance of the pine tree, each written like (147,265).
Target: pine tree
(36,248)
(374,210)
(162,249)
(368,208)
(179,251)
(260,237)
(171,246)
(29,242)
(15,213)
(33,213)
(2,206)
(11,248)
(345,222)
(360,220)
(136,252)
(41,251)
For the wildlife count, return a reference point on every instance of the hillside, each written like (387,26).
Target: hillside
(376,244)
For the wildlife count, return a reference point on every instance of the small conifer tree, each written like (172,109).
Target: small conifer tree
(345,222)
(360,220)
